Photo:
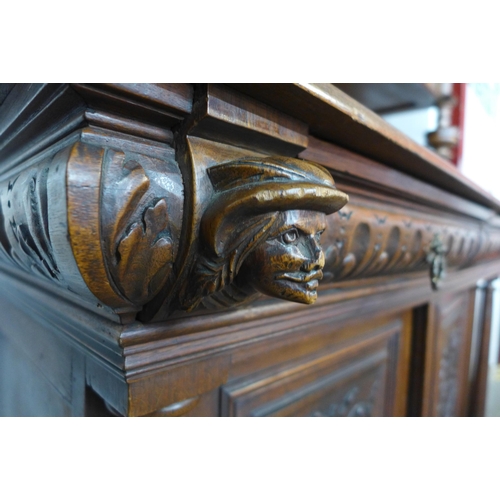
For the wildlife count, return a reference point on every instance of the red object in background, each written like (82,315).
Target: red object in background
(457,119)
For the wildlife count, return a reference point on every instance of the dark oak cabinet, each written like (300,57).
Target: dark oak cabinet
(235,250)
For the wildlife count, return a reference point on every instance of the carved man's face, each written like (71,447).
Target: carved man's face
(289,264)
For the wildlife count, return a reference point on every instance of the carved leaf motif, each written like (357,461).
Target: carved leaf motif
(37,219)
(130,190)
(31,231)
(143,258)
(351,405)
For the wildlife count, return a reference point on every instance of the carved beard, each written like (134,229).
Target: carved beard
(212,278)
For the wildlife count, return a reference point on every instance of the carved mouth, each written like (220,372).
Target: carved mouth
(312,285)
(312,279)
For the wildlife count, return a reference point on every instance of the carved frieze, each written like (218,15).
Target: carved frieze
(365,240)
(24,222)
(141,228)
(33,223)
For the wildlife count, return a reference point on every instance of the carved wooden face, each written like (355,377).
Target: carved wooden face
(289,264)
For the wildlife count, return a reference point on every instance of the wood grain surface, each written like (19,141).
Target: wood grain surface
(137,219)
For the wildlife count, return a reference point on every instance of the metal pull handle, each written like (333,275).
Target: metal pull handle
(436,258)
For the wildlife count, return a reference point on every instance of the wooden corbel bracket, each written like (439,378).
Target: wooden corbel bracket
(254,228)
(136,233)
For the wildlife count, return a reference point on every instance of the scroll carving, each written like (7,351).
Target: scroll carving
(138,237)
(116,216)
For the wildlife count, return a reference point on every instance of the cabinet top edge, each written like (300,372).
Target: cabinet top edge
(329,113)
(335,117)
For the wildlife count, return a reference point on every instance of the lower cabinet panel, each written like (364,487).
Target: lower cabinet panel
(25,391)
(447,358)
(357,391)
(368,377)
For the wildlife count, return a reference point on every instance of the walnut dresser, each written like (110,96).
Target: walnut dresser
(235,250)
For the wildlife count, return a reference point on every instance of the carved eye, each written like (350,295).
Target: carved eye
(318,235)
(290,236)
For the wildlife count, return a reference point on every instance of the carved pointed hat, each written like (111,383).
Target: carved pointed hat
(251,186)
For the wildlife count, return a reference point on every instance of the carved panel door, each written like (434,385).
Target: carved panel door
(368,377)
(447,355)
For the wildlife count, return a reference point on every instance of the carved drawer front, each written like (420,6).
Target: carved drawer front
(367,378)
(447,358)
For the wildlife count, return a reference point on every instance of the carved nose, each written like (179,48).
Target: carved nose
(317,261)
(311,265)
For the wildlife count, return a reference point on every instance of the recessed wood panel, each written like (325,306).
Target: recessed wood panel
(447,355)
(366,378)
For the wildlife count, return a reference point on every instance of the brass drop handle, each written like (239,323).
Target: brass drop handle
(436,258)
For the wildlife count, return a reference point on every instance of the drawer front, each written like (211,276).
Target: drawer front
(367,378)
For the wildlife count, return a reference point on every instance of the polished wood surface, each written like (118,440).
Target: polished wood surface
(184,250)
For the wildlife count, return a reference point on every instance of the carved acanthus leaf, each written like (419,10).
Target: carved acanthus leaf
(136,228)
(128,194)
(138,278)
(27,215)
